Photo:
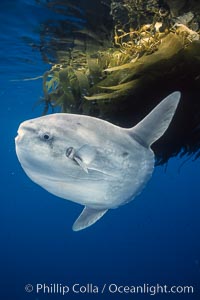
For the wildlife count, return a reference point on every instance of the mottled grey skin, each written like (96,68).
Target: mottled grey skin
(90,161)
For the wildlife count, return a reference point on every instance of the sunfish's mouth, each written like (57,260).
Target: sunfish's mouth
(17,139)
(19,136)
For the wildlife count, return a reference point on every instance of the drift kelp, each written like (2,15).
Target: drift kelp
(107,71)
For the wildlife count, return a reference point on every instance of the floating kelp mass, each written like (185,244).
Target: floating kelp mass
(120,72)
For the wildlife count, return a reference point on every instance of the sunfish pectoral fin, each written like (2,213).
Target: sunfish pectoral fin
(84,156)
(81,164)
(88,217)
(153,126)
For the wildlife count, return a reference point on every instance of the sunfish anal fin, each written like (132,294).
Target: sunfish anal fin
(88,217)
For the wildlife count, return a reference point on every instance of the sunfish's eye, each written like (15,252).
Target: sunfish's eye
(46,136)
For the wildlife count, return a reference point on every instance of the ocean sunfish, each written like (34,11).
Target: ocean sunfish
(91,161)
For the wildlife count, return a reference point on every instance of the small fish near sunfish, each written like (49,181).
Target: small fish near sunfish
(91,161)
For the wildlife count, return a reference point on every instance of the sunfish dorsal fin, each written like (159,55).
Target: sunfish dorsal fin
(153,126)
(88,217)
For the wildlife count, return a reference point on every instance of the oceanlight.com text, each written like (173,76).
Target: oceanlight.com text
(111,288)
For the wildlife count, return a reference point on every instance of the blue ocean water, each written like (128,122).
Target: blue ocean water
(153,240)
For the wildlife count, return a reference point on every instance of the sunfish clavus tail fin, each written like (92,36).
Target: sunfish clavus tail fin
(153,126)
(88,217)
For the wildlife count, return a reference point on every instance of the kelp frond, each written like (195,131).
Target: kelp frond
(118,70)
